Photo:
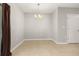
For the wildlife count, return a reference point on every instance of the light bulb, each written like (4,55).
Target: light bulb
(40,16)
(35,16)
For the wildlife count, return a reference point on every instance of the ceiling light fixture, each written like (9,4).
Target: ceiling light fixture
(38,15)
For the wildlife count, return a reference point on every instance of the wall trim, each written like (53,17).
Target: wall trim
(38,39)
(60,42)
(17,46)
(25,40)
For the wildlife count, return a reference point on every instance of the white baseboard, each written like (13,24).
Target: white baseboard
(48,39)
(37,39)
(59,42)
(26,40)
(17,45)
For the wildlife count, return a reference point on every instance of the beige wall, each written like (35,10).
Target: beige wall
(37,29)
(17,25)
(54,25)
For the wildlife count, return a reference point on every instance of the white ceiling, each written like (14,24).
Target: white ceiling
(44,7)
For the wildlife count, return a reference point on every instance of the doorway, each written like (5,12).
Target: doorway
(73,28)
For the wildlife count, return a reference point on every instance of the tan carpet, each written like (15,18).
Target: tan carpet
(46,48)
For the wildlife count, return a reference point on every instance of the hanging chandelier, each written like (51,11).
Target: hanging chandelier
(38,15)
